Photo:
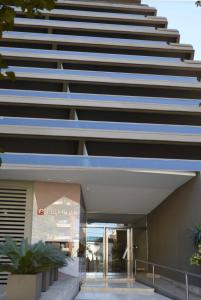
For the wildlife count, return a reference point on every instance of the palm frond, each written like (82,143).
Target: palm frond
(30,259)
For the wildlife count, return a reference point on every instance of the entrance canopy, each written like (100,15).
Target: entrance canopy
(135,190)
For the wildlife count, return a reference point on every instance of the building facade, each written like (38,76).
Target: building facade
(101,136)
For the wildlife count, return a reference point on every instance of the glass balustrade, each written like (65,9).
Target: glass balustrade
(98,56)
(101,162)
(107,126)
(77,75)
(96,97)
(84,39)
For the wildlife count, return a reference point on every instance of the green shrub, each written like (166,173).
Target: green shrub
(30,259)
(197,236)
(196,257)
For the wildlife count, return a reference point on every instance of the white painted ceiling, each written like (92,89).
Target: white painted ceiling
(110,191)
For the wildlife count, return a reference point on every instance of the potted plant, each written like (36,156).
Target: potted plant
(195,259)
(197,236)
(57,259)
(25,278)
(26,266)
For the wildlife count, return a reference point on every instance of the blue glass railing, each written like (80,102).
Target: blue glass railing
(74,74)
(114,28)
(66,12)
(75,54)
(64,161)
(85,39)
(54,96)
(106,126)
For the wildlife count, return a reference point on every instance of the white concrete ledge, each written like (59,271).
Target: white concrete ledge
(100,59)
(108,5)
(59,99)
(106,16)
(100,42)
(108,78)
(94,27)
(102,130)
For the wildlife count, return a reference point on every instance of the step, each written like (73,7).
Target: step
(116,286)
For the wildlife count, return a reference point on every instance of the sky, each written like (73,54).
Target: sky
(183,15)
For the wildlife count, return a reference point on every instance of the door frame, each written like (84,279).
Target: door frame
(129,231)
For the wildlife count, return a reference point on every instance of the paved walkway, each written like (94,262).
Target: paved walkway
(66,288)
(116,290)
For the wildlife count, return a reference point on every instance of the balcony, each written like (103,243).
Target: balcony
(98,6)
(117,83)
(97,101)
(100,61)
(101,17)
(99,44)
(88,162)
(99,130)
(105,30)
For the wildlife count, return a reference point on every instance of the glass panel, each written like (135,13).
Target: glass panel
(100,162)
(75,54)
(117,251)
(92,39)
(86,25)
(93,97)
(170,282)
(143,272)
(79,75)
(94,125)
(194,286)
(94,250)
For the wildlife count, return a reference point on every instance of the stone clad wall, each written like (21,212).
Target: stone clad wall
(170,227)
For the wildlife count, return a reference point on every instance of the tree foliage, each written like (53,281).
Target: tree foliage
(7,19)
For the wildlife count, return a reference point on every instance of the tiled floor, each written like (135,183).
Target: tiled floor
(118,296)
(115,290)
(64,289)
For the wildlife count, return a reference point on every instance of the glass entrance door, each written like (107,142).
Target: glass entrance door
(118,252)
(109,252)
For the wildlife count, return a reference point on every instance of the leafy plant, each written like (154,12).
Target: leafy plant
(195,259)
(56,257)
(30,259)
(197,236)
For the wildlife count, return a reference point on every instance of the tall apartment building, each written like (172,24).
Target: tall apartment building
(101,126)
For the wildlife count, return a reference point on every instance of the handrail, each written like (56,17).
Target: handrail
(185,273)
(168,268)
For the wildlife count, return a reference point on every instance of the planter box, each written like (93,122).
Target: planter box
(56,274)
(24,287)
(45,280)
(51,276)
